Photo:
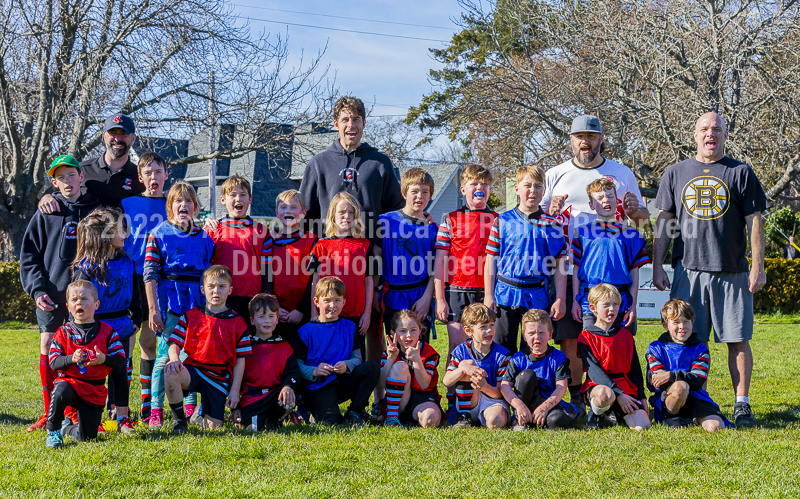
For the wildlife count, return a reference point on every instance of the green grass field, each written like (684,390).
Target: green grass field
(376,462)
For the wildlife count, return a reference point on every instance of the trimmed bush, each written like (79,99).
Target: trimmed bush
(782,292)
(16,305)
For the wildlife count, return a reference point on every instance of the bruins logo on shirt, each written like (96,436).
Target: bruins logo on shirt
(706,197)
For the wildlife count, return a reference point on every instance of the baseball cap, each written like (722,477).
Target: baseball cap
(120,120)
(63,160)
(586,123)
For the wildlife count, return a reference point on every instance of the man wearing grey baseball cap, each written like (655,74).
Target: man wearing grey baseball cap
(112,176)
(566,199)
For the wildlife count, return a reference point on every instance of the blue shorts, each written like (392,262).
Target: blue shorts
(213,392)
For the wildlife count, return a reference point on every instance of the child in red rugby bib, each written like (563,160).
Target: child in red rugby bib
(291,252)
(409,374)
(614,383)
(345,254)
(241,244)
(271,374)
(214,339)
(83,353)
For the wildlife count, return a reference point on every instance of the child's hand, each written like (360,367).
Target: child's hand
(630,316)
(558,310)
(155,322)
(232,402)
(488,300)
(557,204)
(540,414)
(211,224)
(412,354)
(236,416)
(78,356)
(577,313)
(99,357)
(478,381)
(294,317)
(340,367)
(523,413)
(286,397)
(627,403)
(422,308)
(392,350)
(442,310)
(174,367)
(659,378)
(323,370)
(282,314)
(363,323)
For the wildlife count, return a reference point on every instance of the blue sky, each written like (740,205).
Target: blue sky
(391,72)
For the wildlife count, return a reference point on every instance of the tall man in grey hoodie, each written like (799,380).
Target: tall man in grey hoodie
(361,170)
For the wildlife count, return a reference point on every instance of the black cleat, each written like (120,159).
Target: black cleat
(743,414)
(592,421)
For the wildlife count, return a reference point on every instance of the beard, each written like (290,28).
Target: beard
(118,153)
(585,160)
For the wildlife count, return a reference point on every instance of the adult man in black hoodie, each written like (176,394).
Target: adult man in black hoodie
(352,166)
(361,170)
(48,249)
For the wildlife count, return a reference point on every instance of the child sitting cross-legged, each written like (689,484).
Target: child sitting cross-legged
(614,382)
(409,374)
(83,353)
(330,359)
(475,370)
(215,340)
(678,365)
(536,380)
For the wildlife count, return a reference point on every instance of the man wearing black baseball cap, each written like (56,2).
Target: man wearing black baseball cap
(112,176)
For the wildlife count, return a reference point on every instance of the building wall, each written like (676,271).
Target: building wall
(449,200)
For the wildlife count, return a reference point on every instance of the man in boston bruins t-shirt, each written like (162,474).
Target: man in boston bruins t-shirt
(717,202)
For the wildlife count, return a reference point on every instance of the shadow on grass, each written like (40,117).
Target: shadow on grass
(166,434)
(778,416)
(14,419)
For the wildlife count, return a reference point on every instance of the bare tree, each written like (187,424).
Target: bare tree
(66,65)
(522,69)
(392,136)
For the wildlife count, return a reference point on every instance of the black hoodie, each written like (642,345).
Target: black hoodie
(375,184)
(49,246)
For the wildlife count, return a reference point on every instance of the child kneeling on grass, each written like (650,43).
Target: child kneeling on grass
(271,374)
(678,365)
(214,339)
(328,352)
(614,382)
(475,370)
(409,374)
(536,381)
(83,353)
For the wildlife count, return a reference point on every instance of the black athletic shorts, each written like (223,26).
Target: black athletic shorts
(458,299)
(49,322)
(213,393)
(264,413)
(695,408)
(418,398)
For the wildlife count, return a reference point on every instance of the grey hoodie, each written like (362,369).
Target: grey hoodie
(375,184)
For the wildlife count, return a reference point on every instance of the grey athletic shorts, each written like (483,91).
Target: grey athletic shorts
(485,402)
(721,300)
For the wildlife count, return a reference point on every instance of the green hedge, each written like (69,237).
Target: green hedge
(16,305)
(781,294)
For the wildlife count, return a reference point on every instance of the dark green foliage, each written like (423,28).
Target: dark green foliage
(785,220)
(17,306)
(782,292)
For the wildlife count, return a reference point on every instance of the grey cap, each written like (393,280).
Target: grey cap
(119,120)
(586,123)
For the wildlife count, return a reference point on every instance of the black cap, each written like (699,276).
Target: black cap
(120,120)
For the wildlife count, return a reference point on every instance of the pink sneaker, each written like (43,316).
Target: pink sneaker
(156,419)
(189,409)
